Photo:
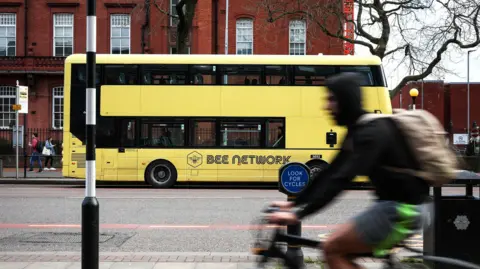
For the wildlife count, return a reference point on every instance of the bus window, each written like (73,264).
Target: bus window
(312,74)
(275,134)
(275,75)
(121,74)
(79,74)
(204,133)
(242,74)
(240,134)
(164,74)
(365,71)
(107,132)
(157,134)
(203,74)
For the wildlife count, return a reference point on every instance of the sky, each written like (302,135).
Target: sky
(458,64)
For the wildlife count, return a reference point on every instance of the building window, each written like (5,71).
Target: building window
(244,36)
(120,34)
(297,37)
(57,109)
(63,34)
(7,99)
(7,34)
(173,50)
(173,12)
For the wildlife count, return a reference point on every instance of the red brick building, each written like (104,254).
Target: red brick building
(37,35)
(446,100)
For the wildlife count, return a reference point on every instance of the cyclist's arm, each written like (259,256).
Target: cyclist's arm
(368,145)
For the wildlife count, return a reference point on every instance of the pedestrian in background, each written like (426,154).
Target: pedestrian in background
(36,149)
(49,151)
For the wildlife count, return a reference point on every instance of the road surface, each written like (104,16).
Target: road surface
(47,218)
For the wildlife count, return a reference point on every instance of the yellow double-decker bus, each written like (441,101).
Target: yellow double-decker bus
(213,118)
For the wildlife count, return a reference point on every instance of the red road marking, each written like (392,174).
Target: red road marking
(153,226)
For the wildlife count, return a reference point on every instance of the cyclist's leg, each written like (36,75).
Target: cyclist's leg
(376,231)
(343,241)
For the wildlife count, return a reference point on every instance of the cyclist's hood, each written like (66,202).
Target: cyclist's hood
(346,88)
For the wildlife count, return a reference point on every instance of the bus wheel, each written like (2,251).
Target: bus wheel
(316,167)
(161,174)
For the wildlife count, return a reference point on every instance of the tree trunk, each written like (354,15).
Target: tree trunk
(186,12)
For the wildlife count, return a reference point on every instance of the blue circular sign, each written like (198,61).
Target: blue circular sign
(294,178)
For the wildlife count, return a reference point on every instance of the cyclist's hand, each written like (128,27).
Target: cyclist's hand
(283,217)
(283,205)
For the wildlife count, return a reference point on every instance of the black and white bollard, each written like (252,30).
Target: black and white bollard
(90,206)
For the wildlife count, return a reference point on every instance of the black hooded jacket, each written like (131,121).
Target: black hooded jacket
(366,148)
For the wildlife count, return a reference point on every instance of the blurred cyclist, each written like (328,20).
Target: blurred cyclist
(366,148)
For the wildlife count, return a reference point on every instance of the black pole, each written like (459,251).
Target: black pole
(295,229)
(294,177)
(90,206)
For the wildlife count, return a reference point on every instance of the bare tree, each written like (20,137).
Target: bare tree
(182,19)
(417,34)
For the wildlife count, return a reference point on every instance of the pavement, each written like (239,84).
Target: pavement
(154,265)
(181,260)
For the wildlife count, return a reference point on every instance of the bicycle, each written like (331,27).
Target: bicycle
(269,248)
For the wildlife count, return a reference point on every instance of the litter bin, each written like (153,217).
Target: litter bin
(453,226)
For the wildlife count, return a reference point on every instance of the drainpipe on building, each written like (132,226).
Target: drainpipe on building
(25,53)
(25,28)
(226,35)
(215,28)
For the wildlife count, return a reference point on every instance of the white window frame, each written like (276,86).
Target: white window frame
(57,96)
(238,26)
(294,25)
(121,37)
(63,26)
(14,25)
(7,92)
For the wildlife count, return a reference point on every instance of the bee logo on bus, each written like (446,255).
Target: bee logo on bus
(194,159)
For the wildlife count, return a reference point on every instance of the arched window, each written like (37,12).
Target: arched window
(297,37)
(244,36)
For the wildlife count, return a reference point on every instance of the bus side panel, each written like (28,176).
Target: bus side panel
(241,165)
(384,101)
(108,162)
(370,98)
(203,164)
(274,101)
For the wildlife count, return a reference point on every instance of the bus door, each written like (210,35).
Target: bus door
(202,163)
(127,156)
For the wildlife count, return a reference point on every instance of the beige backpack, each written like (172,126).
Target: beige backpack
(426,138)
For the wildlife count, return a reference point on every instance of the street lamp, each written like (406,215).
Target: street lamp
(413,93)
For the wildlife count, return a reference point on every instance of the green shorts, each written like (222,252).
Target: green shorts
(388,223)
